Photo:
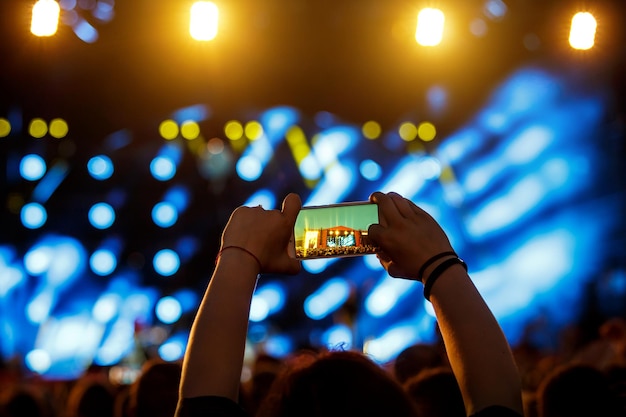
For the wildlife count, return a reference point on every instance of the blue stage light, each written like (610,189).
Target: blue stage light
(103,262)
(101,215)
(168,310)
(166,262)
(100,167)
(33,215)
(326,299)
(32,167)
(164,214)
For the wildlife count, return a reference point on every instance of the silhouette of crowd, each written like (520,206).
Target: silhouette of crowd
(586,378)
(154,393)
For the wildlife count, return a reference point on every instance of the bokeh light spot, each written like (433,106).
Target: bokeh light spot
(58,128)
(102,262)
(164,214)
(407,131)
(168,129)
(166,262)
(478,28)
(5,127)
(370,170)
(100,167)
(189,130)
(249,168)
(37,128)
(253,130)
(101,215)
(215,146)
(163,168)
(38,360)
(33,215)
(172,350)
(426,131)
(371,130)
(168,310)
(32,167)
(233,130)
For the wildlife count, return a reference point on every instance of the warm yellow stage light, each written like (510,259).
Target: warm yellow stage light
(429,30)
(203,21)
(407,131)
(37,128)
(58,128)
(45,19)
(426,131)
(189,130)
(168,129)
(296,139)
(5,127)
(583,31)
(253,130)
(233,130)
(371,129)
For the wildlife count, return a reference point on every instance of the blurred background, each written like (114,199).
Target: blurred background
(129,131)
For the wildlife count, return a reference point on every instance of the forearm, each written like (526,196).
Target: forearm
(478,351)
(214,357)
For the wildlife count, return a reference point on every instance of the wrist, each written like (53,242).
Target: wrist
(432,263)
(442,268)
(239,254)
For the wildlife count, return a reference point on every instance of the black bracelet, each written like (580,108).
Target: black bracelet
(428,285)
(429,262)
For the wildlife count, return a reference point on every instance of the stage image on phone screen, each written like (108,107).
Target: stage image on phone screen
(336,230)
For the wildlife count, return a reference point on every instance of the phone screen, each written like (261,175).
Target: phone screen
(335,230)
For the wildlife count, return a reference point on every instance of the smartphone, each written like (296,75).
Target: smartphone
(335,230)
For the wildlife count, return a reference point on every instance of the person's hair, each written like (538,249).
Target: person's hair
(414,358)
(18,401)
(90,398)
(436,393)
(155,392)
(576,390)
(264,371)
(121,406)
(335,384)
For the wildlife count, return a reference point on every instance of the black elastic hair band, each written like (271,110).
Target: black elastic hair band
(441,268)
(429,262)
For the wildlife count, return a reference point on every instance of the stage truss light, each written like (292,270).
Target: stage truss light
(45,19)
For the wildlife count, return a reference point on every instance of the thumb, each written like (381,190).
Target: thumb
(374,232)
(291,206)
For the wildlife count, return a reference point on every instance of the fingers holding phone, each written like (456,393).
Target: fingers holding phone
(267,234)
(406,235)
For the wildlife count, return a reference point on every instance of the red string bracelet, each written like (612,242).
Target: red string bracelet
(240,248)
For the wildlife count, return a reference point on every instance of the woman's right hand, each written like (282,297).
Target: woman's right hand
(266,234)
(406,235)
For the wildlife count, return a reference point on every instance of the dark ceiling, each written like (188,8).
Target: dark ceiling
(356,59)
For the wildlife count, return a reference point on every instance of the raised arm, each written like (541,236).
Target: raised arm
(254,241)
(411,242)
